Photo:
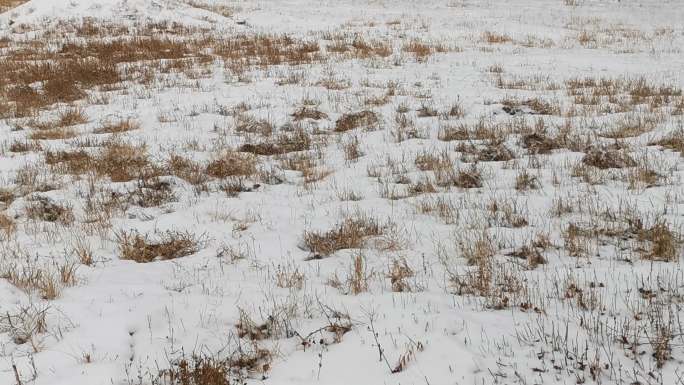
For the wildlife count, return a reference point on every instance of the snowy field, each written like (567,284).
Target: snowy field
(206,192)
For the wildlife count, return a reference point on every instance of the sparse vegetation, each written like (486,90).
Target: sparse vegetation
(350,233)
(164,246)
(171,173)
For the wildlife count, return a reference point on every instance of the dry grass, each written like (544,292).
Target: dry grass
(197,370)
(60,133)
(7,226)
(169,245)
(120,161)
(352,149)
(456,111)
(186,169)
(664,243)
(493,151)
(64,80)
(351,233)
(72,162)
(606,158)
(530,254)
(123,162)
(21,146)
(266,50)
(464,178)
(535,106)
(356,46)
(432,160)
(421,50)
(299,140)
(6,5)
(673,141)
(7,195)
(359,276)
(43,209)
(47,281)
(223,10)
(539,143)
(209,370)
(399,275)
(364,119)
(288,276)
(232,164)
(632,125)
(308,113)
(124,125)
(496,38)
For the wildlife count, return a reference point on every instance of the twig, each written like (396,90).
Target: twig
(16,374)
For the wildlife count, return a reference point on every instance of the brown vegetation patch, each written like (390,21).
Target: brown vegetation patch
(308,113)
(123,162)
(6,5)
(73,162)
(367,119)
(169,245)
(7,226)
(118,127)
(539,143)
(232,164)
(283,144)
(43,209)
(607,158)
(664,243)
(266,50)
(673,141)
(348,234)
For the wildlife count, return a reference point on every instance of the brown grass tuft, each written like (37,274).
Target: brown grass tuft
(118,127)
(7,226)
(348,234)
(664,243)
(496,38)
(367,119)
(169,245)
(43,209)
(232,164)
(605,159)
(123,162)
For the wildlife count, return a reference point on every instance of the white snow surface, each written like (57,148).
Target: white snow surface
(37,11)
(131,318)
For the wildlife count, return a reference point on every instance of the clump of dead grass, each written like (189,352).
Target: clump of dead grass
(123,161)
(166,246)
(664,243)
(366,119)
(73,162)
(232,164)
(604,158)
(350,233)
(309,113)
(7,226)
(299,140)
(124,125)
(496,38)
(44,209)
(466,178)
(673,141)
(399,274)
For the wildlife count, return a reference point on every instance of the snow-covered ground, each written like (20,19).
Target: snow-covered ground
(341,192)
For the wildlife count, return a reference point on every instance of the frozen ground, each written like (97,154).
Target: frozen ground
(341,192)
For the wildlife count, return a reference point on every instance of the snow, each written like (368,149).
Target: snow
(37,11)
(131,318)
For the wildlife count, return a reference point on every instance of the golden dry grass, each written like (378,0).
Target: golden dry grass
(170,245)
